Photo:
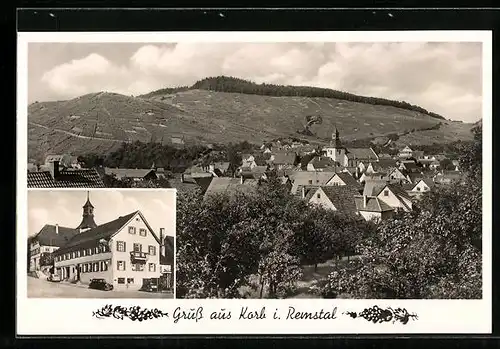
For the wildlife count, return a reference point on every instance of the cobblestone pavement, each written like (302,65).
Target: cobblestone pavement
(40,288)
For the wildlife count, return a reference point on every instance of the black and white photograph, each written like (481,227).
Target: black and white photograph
(347,170)
(100,243)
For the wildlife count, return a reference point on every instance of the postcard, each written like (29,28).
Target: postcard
(177,183)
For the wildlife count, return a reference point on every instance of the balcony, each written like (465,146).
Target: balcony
(138,257)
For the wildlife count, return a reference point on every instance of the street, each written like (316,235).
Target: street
(39,288)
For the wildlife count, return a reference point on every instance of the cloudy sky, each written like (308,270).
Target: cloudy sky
(65,208)
(442,77)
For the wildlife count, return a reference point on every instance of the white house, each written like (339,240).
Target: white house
(396,197)
(125,252)
(372,208)
(406,152)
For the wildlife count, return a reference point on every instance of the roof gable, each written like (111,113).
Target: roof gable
(361,154)
(48,236)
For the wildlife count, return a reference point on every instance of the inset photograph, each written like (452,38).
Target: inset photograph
(101,243)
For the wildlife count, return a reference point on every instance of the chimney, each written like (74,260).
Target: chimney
(241,179)
(54,169)
(303,192)
(57,228)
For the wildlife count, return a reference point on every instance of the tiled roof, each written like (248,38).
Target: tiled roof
(190,184)
(228,184)
(398,190)
(373,204)
(48,236)
(285,158)
(303,178)
(322,162)
(89,237)
(348,179)
(74,178)
(129,172)
(361,154)
(384,164)
(373,187)
(415,176)
(342,197)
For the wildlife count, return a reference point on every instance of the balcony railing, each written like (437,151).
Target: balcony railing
(138,256)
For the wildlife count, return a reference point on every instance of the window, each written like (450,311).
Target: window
(310,181)
(318,196)
(78,253)
(142,232)
(96,249)
(121,265)
(152,250)
(138,267)
(386,192)
(137,247)
(130,280)
(89,252)
(152,267)
(121,280)
(84,252)
(85,268)
(418,188)
(131,230)
(120,246)
(68,256)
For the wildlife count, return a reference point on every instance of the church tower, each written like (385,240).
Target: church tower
(336,151)
(88,216)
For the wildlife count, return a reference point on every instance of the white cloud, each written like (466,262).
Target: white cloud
(408,71)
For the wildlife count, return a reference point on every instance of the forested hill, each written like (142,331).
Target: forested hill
(236,85)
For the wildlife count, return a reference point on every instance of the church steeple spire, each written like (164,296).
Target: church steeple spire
(88,216)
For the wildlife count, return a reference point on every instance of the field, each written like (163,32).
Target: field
(100,122)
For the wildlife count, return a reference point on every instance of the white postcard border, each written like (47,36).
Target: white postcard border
(75,316)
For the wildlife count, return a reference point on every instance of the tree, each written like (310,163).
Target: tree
(434,252)
(446,164)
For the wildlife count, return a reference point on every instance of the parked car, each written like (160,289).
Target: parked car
(100,284)
(150,285)
(54,278)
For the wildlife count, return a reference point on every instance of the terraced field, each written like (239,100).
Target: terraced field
(100,122)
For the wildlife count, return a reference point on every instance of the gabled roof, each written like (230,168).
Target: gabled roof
(304,161)
(384,164)
(70,178)
(129,172)
(398,191)
(373,187)
(361,154)
(103,231)
(316,178)
(347,179)
(373,204)
(415,176)
(427,181)
(342,197)
(228,184)
(410,165)
(322,162)
(48,236)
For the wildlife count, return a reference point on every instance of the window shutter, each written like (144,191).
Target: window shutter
(124,246)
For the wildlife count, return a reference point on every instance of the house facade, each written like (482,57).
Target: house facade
(124,252)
